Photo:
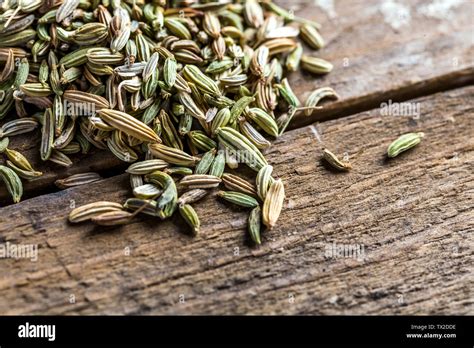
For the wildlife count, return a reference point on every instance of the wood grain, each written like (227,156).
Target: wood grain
(96,160)
(412,215)
(384,49)
(374,61)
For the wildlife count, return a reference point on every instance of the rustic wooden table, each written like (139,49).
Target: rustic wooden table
(411,217)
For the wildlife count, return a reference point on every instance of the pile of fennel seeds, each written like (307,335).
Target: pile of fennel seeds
(181,90)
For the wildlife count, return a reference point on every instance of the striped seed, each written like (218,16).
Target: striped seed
(273,204)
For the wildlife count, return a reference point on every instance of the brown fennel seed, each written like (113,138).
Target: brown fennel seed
(335,162)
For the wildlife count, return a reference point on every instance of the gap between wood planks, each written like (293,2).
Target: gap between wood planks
(333,111)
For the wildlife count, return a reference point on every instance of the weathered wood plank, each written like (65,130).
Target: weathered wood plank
(386,49)
(376,55)
(95,161)
(412,215)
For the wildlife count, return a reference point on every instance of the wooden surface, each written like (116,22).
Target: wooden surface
(413,215)
(387,49)
(374,60)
